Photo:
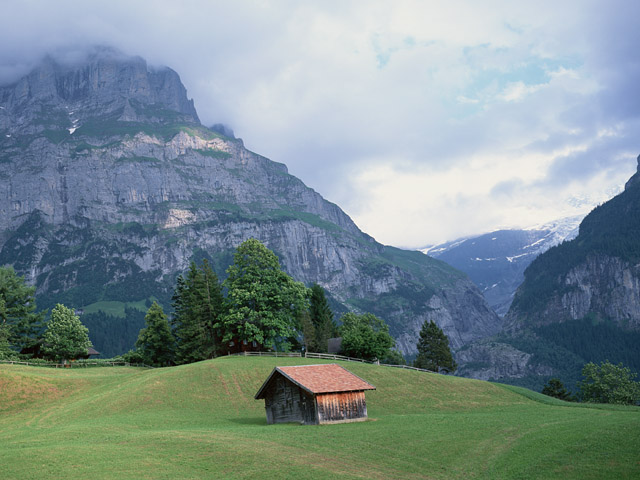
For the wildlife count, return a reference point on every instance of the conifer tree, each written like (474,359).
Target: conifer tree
(555,388)
(308,333)
(322,318)
(433,349)
(156,344)
(22,325)
(5,349)
(198,306)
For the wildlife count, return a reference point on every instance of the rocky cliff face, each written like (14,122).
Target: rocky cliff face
(606,286)
(492,360)
(111,186)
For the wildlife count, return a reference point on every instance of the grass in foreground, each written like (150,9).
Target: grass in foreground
(200,421)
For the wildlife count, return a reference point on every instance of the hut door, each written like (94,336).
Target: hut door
(308,409)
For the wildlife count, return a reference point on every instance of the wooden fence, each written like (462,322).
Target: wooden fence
(327,356)
(322,356)
(75,364)
(267,354)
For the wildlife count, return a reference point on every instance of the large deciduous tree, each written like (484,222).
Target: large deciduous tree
(434,352)
(609,383)
(198,308)
(65,337)
(21,324)
(264,303)
(365,336)
(156,344)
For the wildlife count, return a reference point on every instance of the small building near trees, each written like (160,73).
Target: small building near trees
(314,394)
(91,352)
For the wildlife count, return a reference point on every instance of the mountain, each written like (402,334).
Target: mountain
(579,302)
(496,261)
(111,186)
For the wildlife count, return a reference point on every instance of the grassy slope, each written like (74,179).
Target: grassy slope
(200,421)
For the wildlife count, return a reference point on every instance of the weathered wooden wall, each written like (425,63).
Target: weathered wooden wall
(341,407)
(286,402)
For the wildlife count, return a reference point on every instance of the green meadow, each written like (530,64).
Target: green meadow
(200,421)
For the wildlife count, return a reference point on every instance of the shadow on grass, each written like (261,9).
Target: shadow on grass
(249,420)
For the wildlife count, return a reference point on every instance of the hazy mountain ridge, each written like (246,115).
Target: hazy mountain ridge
(111,186)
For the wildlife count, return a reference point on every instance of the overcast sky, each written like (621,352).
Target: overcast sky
(424,120)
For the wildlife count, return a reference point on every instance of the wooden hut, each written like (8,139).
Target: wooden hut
(314,394)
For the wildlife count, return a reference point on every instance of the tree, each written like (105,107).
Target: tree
(433,349)
(198,306)
(156,343)
(393,357)
(18,317)
(555,388)
(264,303)
(5,349)
(308,333)
(365,336)
(608,383)
(65,337)
(322,318)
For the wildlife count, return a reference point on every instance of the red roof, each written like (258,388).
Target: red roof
(326,378)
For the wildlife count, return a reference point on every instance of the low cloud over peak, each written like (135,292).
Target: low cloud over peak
(424,122)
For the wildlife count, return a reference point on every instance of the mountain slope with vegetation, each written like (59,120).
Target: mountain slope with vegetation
(111,186)
(201,421)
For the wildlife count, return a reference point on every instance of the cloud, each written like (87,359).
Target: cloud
(423,120)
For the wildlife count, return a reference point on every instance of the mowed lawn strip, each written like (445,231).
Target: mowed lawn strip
(201,421)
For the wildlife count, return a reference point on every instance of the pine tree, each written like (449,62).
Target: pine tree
(198,306)
(322,318)
(433,349)
(5,348)
(555,388)
(308,333)
(18,311)
(156,344)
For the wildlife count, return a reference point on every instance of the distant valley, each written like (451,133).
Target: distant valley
(496,261)
(579,302)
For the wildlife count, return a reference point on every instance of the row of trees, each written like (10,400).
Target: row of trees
(602,383)
(23,329)
(263,307)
